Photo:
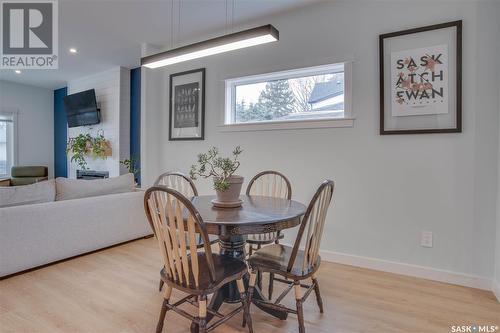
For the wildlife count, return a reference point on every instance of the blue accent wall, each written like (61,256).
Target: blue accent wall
(60,134)
(135,119)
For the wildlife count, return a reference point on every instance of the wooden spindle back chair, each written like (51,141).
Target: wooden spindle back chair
(272,184)
(293,263)
(177,237)
(314,223)
(184,185)
(179,182)
(176,223)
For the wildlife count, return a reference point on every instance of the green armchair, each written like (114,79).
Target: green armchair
(25,175)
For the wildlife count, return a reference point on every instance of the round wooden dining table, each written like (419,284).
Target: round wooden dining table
(257,214)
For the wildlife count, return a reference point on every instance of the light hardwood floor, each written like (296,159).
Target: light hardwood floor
(116,291)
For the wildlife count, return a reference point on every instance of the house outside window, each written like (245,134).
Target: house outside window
(301,98)
(7,142)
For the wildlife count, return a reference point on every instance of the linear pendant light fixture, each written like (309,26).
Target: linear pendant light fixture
(238,40)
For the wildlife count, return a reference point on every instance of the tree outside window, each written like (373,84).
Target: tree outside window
(308,97)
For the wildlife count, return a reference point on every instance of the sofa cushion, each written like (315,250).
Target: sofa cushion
(67,189)
(17,181)
(44,191)
(29,171)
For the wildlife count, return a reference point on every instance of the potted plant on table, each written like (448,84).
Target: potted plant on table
(227,185)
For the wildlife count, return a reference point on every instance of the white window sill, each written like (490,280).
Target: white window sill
(287,125)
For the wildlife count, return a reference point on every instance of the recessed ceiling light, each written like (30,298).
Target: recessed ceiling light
(17,71)
(73,50)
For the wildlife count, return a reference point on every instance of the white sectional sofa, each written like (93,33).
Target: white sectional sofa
(36,234)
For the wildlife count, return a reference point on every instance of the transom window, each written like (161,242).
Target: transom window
(320,93)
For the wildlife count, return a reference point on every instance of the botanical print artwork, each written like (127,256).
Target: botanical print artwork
(419,81)
(186,98)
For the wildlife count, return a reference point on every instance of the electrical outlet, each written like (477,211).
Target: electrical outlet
(426,239)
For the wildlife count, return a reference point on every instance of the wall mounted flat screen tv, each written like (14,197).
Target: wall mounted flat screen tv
(81,109)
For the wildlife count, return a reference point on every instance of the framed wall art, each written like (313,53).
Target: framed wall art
(421,80)
(187,105)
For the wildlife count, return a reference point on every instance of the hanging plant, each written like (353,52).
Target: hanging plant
(78,147)
(84,145)
(100,146)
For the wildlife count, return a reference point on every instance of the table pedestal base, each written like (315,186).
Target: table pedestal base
(233,246)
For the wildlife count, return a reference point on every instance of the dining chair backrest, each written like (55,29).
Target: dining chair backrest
(312,226)
(179,182)
(176,223)
(270,183)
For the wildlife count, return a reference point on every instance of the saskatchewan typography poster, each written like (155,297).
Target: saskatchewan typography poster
(419,81)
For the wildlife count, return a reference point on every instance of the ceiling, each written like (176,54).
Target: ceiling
(110,33)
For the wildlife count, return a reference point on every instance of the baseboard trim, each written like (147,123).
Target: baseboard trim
(495,287)
(423,272)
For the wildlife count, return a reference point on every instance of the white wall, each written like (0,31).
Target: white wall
(496,280)
(388,188)
(35,135)
(112,89)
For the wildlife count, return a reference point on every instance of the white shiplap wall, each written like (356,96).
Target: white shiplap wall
(112,89)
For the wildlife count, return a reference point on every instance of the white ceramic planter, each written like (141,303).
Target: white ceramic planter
(231,196)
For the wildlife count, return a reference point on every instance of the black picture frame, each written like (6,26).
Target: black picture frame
(458,103)
(201,119)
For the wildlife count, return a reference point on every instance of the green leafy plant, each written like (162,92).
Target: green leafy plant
(131,165)
(85,144)
(210,164)
(99,146)
(78,147)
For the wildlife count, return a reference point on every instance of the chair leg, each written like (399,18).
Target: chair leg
(259,274)
(300,311)
(251,287)
(163,311)
(246,308)
(271,275)
(202,313)
(161,285)
(271,285)
(318,295)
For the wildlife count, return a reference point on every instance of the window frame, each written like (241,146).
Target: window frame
(12,148)
(228,116)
